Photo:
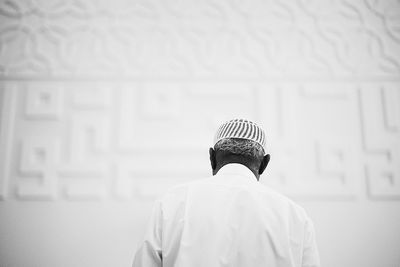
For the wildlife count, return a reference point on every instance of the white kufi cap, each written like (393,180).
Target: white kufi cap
(241,128)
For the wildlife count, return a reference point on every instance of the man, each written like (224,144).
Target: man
(229,219)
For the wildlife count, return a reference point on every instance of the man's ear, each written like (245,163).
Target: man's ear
(264,163)
(213,160)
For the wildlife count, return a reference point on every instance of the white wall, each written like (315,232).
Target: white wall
(105,104)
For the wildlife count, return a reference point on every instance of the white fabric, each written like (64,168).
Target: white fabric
(243,129)
(227,220)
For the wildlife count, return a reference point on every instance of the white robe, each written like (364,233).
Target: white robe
(229,219)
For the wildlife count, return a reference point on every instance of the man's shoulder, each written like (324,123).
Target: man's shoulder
(201,181)
(268,195)
(182,188)
(283,201)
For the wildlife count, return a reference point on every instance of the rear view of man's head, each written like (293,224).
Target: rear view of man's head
(239,141)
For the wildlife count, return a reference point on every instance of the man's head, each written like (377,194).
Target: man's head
(239,141)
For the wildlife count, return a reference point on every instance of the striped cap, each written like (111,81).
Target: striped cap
(241,128)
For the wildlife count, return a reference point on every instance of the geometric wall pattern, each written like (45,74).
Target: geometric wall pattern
(133,140)
(121,100)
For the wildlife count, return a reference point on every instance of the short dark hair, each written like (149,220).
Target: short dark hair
(240,147)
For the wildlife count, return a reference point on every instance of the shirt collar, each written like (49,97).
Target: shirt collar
(237,169)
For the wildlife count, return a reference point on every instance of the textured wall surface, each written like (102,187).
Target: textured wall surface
(105,140)
(106,104)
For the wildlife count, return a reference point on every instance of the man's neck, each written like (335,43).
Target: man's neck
(252,169)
